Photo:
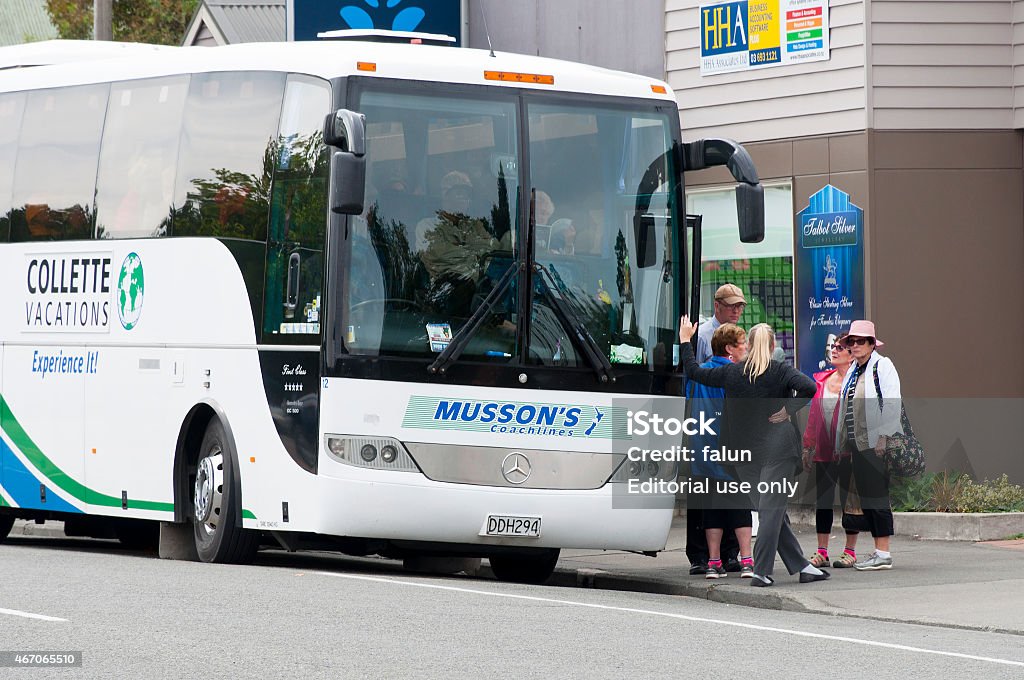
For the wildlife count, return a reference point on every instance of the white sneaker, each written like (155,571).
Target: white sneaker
(873,563)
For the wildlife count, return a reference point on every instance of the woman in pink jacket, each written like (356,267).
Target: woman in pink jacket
(830,469)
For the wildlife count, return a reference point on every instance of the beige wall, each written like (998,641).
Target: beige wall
(773,103)
(923,65)
(937,64)
(1018,63)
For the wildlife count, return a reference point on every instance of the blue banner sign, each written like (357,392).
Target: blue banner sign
(820,230)
(830,274)
(309,17)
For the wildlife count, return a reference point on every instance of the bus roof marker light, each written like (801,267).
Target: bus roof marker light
(366,66)
(658,89)
(514,77)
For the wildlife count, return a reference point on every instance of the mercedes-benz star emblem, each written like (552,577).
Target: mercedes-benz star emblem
(516,468)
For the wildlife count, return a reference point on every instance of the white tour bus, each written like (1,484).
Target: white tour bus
(373,296)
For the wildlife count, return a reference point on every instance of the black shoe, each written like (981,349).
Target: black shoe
(697,568)
(758,583)
(733,565)
(811,578)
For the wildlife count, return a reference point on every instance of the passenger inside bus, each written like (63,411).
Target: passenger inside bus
(456,246)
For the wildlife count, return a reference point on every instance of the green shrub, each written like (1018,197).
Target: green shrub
(913,494)
(956,492)
(947,488)
(990,496)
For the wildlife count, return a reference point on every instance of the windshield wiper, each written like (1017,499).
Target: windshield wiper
(458,343)
(571,322)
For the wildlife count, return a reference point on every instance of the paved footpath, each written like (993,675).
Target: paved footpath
(978,586)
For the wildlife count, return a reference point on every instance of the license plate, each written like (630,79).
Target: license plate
(511,525)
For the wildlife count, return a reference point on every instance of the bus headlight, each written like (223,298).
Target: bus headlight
(643,470)
(376,453)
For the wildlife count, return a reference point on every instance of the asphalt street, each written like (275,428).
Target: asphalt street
(314,615)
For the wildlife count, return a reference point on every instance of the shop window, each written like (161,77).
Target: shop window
(764,271)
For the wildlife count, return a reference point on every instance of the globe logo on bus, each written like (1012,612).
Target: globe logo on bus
(131,286)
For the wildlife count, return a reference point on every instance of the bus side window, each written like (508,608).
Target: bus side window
(55,175)
(138,158)
(12,106)
(298,209)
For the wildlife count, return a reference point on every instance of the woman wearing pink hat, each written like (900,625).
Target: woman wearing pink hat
(869,414)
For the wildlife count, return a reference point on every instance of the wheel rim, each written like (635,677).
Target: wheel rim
(209,491)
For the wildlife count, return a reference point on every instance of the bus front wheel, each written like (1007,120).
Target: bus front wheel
(215,502)
(535,569)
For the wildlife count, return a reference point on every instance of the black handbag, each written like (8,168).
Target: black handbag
(904,455)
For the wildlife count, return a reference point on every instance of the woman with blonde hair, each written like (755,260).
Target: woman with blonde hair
(759,400)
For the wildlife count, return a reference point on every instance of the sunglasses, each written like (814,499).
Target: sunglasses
(857,341)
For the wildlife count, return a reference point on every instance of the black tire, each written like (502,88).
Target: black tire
(216,500)
(6,522)
(534,569)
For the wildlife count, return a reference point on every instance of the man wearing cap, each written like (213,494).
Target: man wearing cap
(729,305)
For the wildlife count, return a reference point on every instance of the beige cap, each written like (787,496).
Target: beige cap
(729,294)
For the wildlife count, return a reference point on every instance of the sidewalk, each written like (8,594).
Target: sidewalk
(954,584)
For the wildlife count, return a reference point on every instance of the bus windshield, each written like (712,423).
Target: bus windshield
(446,219)
(603,202)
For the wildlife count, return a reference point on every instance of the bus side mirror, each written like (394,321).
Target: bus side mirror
(348,183)
(346,131)
(750,212)
(708,153)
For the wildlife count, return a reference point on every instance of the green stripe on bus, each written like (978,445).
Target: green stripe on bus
(60,478)
(247,514)
(3,503)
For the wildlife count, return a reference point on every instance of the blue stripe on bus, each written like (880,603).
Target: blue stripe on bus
(22,486)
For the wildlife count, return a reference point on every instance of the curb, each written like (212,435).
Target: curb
(26,527)
(744,596)
(758,598)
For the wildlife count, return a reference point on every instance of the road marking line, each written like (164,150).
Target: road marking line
(30,615)
(697,619)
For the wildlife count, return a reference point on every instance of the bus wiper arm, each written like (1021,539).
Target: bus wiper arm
(458,343)
(571,321)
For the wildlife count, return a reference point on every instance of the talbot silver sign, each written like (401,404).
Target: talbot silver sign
(516,468)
